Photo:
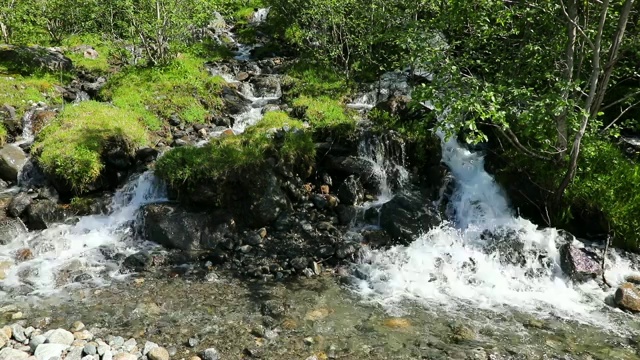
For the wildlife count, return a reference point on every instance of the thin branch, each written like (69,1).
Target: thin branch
(513,139)
(619,116)
(564,10)
(620,100)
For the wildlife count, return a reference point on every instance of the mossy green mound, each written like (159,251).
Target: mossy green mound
(276,136)
(18,90)
(105,49)
(325,115)
(183,88)
(71,147)
(3,135)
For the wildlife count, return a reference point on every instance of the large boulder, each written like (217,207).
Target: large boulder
(174,227)
(234,102)
(627,297)
(266,86)
(42,214)
(12,159)
(579,264)
(10,229)
(10,120)
(407,215)
(35,57)
(350,191)
(266,200)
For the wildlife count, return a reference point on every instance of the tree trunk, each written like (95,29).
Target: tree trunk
(561,120)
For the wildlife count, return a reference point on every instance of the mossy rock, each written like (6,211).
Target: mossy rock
(87,144)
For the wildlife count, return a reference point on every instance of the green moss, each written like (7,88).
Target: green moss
(104,48)
(325,114)
(3,135)
(72,145)
(17,90)
(183,88)
(307,78)
(186,167)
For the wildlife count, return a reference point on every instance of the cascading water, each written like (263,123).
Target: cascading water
(485,258)
(64,254)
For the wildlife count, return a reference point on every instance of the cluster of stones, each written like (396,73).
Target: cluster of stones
(20,343)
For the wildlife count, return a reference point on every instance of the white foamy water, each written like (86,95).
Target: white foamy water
(64,251)
(460,265)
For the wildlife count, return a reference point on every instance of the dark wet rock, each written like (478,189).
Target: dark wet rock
(627,297)
(407,215)
(10,229)
(176,228)
(377,238)
(43,213)
(351,191)
(139,261)
(396,106)
(346,214)
(19,204)
(634,279)
(579,264)
(266,86)
(300,263)
(90,205)
(234,102)
(32,176)
(35,57)
(12,159)
(146,155)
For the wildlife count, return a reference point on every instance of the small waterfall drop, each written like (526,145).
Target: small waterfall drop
(484,258)
(64,254)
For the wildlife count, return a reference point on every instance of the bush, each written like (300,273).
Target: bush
(276,135)
(182,88)
(71,147)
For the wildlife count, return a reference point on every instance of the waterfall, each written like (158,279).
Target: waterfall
(484,258)
(82,250)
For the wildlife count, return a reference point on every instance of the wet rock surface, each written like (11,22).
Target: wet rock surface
(579,263)
(406,216)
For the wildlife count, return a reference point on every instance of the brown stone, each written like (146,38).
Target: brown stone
(633,278)
(242,76)
(397,323)
(627,297)
(24,254)
(324,189)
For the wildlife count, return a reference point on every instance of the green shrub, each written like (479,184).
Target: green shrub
(183,88)
(307,78)
(71,146)
(325,114)
(185,167)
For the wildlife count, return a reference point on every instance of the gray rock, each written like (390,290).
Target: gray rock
(116,342)
(37,341)
(91,357)
(406,215)
(125,356)
(90,349)
(49,351)
(36,57)
(75,353)
(10,229)
(13,354)
(148,346)
(19,204)
(211,354)
(129,345)
(578,263)
(102,349)
(351,191)
(108,355)
(42,213)
(12,159)
(18,333)
(158,353)
(60,336)
(346,214)
(28,331)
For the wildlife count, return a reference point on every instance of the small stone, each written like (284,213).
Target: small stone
(74,354)
(308,341)
(90,357)
(4,339)
(633,278)
(49,351)
(102,349)
(193,342)
(17,316)
(28,331)
(37,341)
(262,232)
(125,356)
(129,345)
(397,323)
(24,255)
(90,349)
(158,353)
(195,358)
(148,346)
(77,326)
(83,335)
(7,331)
(116,342)
(108,355)
(211,354)
(60,336)
(18,333)
(13,354)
